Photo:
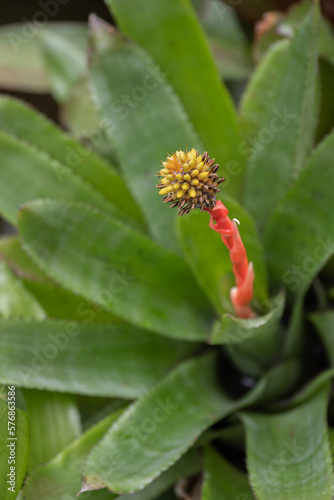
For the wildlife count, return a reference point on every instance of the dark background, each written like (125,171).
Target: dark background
(13,12)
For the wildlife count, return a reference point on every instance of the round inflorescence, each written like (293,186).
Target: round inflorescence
(189,181)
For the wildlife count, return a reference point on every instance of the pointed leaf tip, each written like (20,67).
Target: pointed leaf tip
(99,34)
(96,23)
(90,483)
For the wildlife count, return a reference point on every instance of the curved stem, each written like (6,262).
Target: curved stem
(242,293)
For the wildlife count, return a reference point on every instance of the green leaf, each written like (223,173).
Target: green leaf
(61,477)
(55,422)
(80,116)
(170,32)
(22,67)
(17,444)
(326,41)
(104,261)
(292,445)
(188,465)
(27,174)
(113,360)
(288,126)
(64,49)
(281,380)
(222,480)
(231,330)
(293,341)
(228,42)
(304,215)
(259,91)
(209,258)
(252,344)
(310,390)
(46,410)
(15,300)
(142,110)
(60,304)
(16,257)
(54,300)
(21,121)
(158,428)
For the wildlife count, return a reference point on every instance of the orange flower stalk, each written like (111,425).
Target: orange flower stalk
(189,181)
(242,293)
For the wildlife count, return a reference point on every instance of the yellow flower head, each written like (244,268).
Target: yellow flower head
(189,180)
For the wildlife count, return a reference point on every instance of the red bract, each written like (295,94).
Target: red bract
(242,293)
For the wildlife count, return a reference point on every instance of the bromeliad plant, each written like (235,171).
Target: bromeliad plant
(136,373)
